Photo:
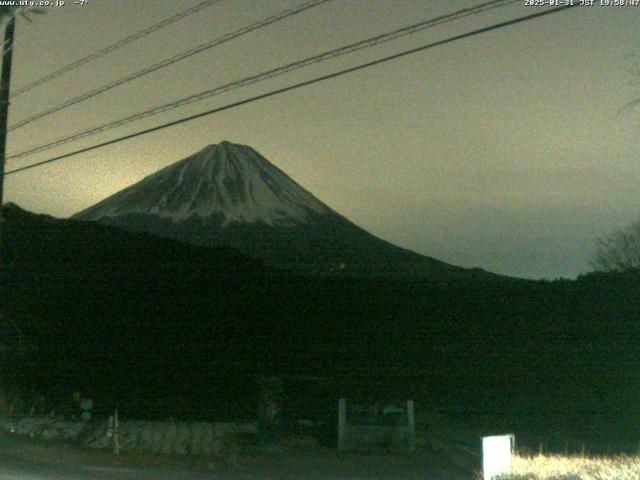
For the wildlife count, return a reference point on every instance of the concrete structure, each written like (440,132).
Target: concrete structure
(375,426)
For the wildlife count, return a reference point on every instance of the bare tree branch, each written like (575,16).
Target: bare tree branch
(619,251)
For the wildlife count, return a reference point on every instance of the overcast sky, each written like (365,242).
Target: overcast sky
(508,151)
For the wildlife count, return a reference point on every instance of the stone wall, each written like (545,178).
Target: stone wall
(182,438)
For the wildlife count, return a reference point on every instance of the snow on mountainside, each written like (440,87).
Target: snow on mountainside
(227,180)
(229,194)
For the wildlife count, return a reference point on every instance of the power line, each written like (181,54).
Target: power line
(170,61)
(297,86)
(363,44)
(115,46)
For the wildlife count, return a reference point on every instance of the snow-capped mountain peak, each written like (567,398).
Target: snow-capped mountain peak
(229,194)
(226,180)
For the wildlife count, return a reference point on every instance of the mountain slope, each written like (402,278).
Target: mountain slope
(229,194)
(42,243)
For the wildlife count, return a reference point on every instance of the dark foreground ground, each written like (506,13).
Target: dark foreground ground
(27,460)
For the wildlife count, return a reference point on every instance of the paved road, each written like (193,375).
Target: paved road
(20,460)
(294,470)
(42,471)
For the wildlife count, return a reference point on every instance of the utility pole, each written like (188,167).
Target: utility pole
(5,80)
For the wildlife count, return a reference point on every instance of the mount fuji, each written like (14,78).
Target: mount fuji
(229,194)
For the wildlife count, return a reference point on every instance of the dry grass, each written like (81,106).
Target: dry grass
(558,467)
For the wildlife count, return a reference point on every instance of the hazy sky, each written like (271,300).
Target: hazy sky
(508,151)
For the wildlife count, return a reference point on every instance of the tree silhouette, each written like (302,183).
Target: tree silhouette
(619,251)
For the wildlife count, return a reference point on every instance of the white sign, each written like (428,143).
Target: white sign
(496,455)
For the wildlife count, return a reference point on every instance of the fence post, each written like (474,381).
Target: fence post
(116,439)
(411,423)
(342,422)
(271,390)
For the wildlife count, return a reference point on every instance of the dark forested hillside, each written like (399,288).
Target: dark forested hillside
(136,319)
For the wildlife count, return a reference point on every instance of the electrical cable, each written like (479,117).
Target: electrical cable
(298,85)
(115,46)
(169,61)
(363,44)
